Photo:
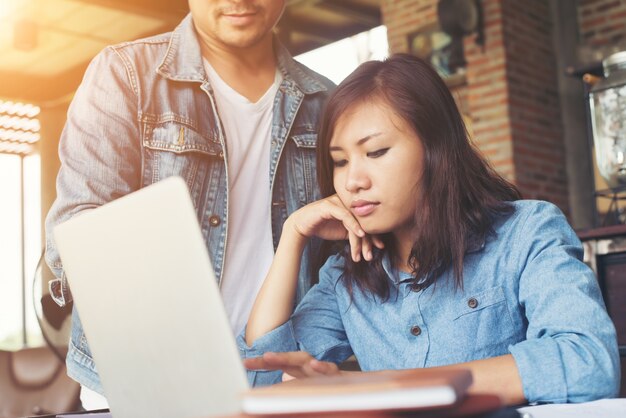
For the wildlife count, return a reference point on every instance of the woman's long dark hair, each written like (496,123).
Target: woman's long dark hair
(460,194)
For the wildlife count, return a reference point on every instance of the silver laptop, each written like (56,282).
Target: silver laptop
(146,293)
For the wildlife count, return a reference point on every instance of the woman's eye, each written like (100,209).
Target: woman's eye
(339,163)
(378,153)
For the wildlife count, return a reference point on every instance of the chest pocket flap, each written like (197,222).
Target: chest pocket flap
(476,302)
(179,138)
(305,140)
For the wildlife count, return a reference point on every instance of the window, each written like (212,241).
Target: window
(20,223)
(340,58)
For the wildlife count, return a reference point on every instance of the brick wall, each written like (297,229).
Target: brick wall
(488,95)
(602,22)
(510,94)
(534,108)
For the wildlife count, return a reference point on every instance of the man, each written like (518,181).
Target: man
(217,101)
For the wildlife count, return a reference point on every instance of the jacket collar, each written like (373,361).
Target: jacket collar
(183,61)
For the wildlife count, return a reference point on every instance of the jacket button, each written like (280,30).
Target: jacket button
(214,220)
(221,155)
(472,303)
(415,330)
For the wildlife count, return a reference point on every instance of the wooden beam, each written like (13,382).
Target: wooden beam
(41,89)
(171,11)
(367,16)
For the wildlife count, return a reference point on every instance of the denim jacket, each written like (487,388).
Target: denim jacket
(146,111)
(525,292)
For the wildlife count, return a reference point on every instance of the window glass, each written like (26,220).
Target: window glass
(20,224)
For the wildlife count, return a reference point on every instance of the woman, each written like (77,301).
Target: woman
(445,267)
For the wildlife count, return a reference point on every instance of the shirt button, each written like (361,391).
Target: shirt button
(415,330)
(214,220)
(221,155)
(416,287)
(472,303)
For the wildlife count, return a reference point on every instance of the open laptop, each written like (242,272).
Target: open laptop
(150,306)
(151,309)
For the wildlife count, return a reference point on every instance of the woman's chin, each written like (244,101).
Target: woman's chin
(374,230)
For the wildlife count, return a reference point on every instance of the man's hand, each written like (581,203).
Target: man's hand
(295,365)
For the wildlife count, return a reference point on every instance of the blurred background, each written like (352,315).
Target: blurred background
(522,71)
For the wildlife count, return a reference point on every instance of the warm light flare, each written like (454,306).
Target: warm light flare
(7,7)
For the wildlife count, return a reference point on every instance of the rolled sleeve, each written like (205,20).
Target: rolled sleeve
(542,377)
(281,339)
(570,352)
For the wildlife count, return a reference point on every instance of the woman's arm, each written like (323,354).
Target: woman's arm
(327,219)
(496,375)
(274,303)
(570,352)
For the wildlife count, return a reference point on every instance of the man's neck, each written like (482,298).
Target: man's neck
(249,71)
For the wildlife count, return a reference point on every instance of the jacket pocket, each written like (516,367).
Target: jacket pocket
(175,149)
(301,154)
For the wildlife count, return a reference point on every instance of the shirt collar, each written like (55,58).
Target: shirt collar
(397,276)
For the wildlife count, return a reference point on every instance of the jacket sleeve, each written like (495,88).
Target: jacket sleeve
(99,149)
(570,354)
(316,327)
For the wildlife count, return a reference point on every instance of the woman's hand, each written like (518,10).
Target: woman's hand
(295,364)
(329,219)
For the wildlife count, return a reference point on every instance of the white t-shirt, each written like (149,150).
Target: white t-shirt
(249,249)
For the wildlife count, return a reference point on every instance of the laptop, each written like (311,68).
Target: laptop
(150,306)
(151,309)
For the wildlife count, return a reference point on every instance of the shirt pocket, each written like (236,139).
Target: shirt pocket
(176,149)
(482,324)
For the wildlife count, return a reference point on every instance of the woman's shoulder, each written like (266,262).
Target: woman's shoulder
(527,210)
(529,206)
(534,219)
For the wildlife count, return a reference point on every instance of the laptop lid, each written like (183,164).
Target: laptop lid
(150,306)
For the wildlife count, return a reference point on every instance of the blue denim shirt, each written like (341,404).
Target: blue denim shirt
(525,292)
(146,111)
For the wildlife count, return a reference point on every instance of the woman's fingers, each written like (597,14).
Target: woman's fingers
(330,219)
(367,248)
(297,364)
(355,247)
(377,242)
(323,367)
(255,363)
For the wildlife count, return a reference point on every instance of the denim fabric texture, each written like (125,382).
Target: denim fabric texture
(145,111)
(525,292)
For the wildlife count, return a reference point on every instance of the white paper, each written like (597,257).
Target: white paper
(605,408)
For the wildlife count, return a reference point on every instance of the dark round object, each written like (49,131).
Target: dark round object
(458,17)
